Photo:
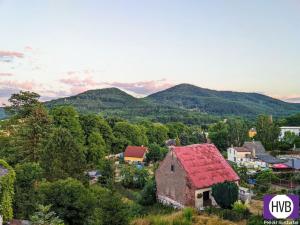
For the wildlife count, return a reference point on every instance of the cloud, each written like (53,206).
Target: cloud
(293,100)
(9,56)
(78,85)
(86,82)
(6,74)
(7,88)
(144,87)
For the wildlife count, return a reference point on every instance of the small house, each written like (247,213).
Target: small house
(252,155)
(239,155)
(283,130)
(135,154)
(186,175)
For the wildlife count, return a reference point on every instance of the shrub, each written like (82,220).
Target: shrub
(225,194)
(241,209)
(148,194)
(228,214)
(188,214)
(255,220)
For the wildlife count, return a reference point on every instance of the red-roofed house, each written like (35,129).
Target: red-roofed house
(186,175)
(135,154)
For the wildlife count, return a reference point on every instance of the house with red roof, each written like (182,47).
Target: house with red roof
(135,154)
(186,175)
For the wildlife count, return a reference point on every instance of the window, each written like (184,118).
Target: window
(172,168)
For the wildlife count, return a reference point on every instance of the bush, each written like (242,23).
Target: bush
(228,214)
(188,214)
(255,220)
(241,209)
(148,194)
(225,194)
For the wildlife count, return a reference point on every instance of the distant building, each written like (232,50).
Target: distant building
(186,175)
(135,154)
(252,133)
(252,154)
(239,154)
(295,130)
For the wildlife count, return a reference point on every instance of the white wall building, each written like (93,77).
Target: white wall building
(295,130)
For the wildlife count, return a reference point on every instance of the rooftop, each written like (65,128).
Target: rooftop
(204,165)
(135,151)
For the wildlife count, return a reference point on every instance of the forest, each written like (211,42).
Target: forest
(49,152)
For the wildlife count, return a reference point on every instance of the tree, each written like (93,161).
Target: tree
(241,171)
(22,103)
(67,117)
(45,217)
(94,123)
(70,200)
(225,194)
(288,141)
(114,210)
(30,123)
(32,133)
(218,134)
(293,120)
(148,194)
(237,132)
(27,177)
(6,191)
(267,132)
(264,180)
(96,149)
(156,153)
(133,177)
(63,156)
(157,133)
(130,134)
(107,171)
(175,129)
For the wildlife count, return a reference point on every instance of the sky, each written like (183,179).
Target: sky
(63,47)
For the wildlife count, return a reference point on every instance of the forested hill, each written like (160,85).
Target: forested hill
(222,102)
(114,102)
(2,113)
(184,102)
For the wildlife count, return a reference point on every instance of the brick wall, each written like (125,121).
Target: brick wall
(174,184)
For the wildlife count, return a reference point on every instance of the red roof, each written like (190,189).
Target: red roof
(204,165)
(135,151)
(280,166)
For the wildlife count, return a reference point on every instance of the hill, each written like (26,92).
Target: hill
(222,102)
(2,113)
(114,102)
(187,103)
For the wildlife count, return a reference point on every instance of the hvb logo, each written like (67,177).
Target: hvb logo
(281,207)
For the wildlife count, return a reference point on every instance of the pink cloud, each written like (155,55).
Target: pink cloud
(26,85)
(6,74)
(144,87)
(11,54)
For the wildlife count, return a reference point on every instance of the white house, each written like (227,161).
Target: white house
(239,155)
(295,130)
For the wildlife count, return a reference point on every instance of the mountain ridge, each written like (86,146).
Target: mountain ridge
(180,102)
